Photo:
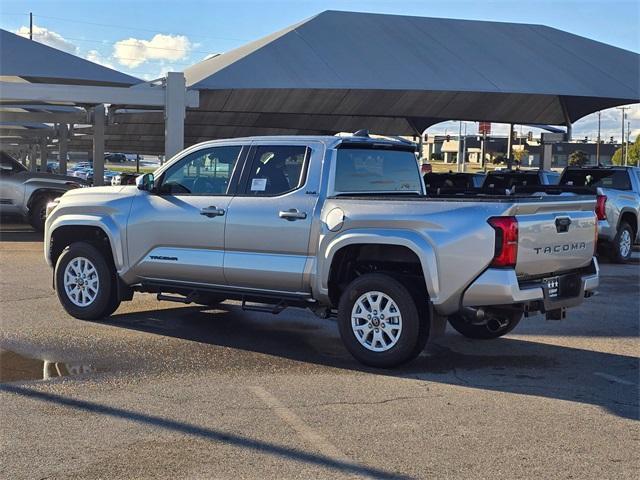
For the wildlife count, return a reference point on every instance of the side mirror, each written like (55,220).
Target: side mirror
(145,182)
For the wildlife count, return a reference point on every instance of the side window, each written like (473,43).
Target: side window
(205,172)
(277,169)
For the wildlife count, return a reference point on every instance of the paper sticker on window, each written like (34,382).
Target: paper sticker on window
(258,184)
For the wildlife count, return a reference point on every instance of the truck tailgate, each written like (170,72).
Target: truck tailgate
(556,236)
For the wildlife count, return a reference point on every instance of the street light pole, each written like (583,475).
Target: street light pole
(622,109)
(598,144)
(30,26)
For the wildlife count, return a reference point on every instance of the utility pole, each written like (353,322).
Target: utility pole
(598,144)
(30,26)
(626,152)
(624,114)
(460,157)
(464,148)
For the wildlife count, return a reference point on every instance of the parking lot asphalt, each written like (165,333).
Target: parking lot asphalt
(169,391)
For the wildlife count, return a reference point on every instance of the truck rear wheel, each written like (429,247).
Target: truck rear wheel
(622,245)
(84,282)
(380,322)
(496,326)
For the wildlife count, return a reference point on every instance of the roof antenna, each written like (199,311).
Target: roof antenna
(362,133)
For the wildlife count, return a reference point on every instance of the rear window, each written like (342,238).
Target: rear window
(615,179)
(508,180)
(450,180)
(362,170)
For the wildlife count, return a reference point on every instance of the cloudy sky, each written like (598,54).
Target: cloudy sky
(147,38)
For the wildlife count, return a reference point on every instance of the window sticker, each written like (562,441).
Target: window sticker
(258,184)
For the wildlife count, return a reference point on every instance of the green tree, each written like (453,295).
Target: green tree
(634,154)
(520,155)
(578,159)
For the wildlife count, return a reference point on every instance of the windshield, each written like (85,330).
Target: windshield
(369,170)
(507,180)
(10,164)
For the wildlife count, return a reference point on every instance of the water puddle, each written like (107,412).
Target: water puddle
(18,367)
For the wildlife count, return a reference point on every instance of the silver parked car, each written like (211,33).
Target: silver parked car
(340,225)
(618,205)
(27,193)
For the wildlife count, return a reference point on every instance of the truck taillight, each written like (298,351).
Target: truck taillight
(506,253)
(601,203)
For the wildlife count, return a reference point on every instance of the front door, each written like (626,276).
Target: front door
(176,234)
(269,219)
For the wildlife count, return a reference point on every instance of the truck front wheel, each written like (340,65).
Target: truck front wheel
(37,213)
(85,282)
(497,325)
(380,323)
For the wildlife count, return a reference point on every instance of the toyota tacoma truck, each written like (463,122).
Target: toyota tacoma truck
(26,193)
(339,225)
(618,207)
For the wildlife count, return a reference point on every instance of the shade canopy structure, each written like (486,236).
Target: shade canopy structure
(42,84)
(398,75)
(24,60)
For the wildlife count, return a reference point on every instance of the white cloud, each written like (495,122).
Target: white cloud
(133,52)
(49,37)
(96,57)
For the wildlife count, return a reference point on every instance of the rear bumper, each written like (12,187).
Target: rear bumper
(501,287)
(606,231)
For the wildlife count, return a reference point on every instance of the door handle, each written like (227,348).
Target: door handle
(212,212)
(292,214)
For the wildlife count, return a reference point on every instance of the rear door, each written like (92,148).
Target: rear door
(177,233)
(269,219)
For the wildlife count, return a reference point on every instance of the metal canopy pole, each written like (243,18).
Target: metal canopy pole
(23,156)
(33,166)
(174,113)
(63,136)
(98,145)
(43,154)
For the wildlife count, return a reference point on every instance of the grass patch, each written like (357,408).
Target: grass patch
(129,168)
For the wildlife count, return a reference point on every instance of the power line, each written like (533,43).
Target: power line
(124,27)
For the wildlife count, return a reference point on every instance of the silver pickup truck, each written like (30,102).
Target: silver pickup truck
(26,193)
(618,206)
(339,225)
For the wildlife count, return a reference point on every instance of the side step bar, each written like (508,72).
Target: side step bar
(255,306)
(262,307)
(174,298)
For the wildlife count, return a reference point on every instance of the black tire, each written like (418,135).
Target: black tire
(106,300)
(484,332)
(37,213)
(620,251)
(415,321)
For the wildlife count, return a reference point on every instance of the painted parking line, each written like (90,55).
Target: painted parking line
(613,378)
(308,434)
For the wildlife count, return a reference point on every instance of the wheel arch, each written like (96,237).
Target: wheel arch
(41,192)
(399,243)
(94,230)
(630,217)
